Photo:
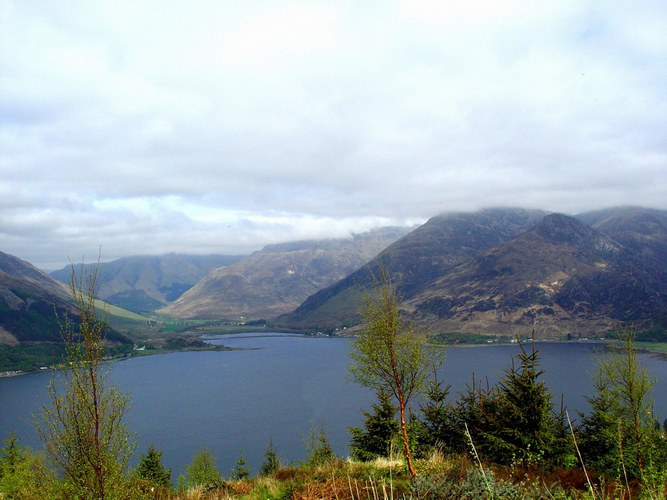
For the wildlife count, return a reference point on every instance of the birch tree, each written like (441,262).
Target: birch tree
(390,355)
(82,429)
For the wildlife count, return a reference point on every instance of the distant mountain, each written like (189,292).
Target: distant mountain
(415,260)
(642,232)
(143,284)
(29,300)
(278,278)
(560,277)
(511,271)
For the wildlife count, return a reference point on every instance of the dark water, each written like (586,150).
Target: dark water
(278,389)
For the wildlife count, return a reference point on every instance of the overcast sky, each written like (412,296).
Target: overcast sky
(147,127)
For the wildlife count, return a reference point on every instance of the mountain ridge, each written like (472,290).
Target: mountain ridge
(29,302)
(442,243)
(279,277)
(502,270)
(561,277)
(144,283)
(511,287)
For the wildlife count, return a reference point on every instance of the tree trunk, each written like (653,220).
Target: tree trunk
(406,439)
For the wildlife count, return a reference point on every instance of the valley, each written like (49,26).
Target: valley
(477,276)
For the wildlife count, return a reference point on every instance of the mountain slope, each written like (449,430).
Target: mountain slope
(29,300)
(562,277)
(145,283)
(415,260)
(278,278)
(643,232)
(511,272)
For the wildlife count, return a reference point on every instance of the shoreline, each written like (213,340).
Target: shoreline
(661,354)
(135,354)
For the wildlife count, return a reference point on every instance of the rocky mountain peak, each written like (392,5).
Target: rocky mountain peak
(559,228)
(562,228)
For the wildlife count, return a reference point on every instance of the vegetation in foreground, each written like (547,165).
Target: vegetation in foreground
(506,441)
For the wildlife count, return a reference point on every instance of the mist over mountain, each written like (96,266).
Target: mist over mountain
(494,271)
(515,272)
(421,256)
(145,283)
(276,279)
(561,277)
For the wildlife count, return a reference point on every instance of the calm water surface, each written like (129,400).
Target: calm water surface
(277,387)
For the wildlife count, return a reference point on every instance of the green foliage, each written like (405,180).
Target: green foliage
(476,408)
(30,357)
(380,428)
(23,475)
(82,429)
(476,483)
(468,338)
(271,461)
(150,468)
(35,322)
(598,433)
(241,471)
(202,471)
(11,455)
(318,448)
(511,423)
(657,332)
(390,355)
(522,425)
(560,450)
(619,437)
(436,423)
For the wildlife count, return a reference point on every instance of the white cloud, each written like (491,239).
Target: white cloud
(208,126)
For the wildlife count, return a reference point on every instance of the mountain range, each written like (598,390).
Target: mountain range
(561,277)
(501,271)
(276,279)
(143,284)
(494,271)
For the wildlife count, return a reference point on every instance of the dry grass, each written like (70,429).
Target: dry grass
(387,479)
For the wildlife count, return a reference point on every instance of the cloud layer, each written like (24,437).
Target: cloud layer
(153,126)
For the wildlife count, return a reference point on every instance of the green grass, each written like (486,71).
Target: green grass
(115,311)
(655,347)
(468,338)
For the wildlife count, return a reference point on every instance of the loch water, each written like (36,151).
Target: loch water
(277,387)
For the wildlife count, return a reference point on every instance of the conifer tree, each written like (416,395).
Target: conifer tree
(436,421)
(380,427)
(151,468)
(622,414)
(11,455)
(319,448)
(271,461)
(523,424)
(598,432)
(22,473)
(241,471)
(475,410)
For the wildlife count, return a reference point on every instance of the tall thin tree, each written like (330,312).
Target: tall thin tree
(390,355)
(82,429)
(622,407)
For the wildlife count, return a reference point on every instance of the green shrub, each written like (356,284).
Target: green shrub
(200,472)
